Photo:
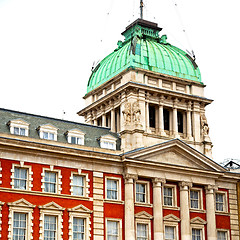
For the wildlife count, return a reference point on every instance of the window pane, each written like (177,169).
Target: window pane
(221,235)
(78,185)
(219,202)
(140,192)
(22,131)
(194,197)
(50,227)
(168,196)
(196,234)
(112,230)
(78,229)
(20,178)
(16,130)
(19,226)
(142,231)
(169,233)
(50,182)
(112,189)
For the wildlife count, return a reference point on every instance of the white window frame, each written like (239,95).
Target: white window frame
(225,231)
(119,221)
(147,193)
(119,188)
(83,212)
(76,134)
(108,139)
(144,218)
(198,223)
(47,128)
(19,123)
(225,202)
(174,197)
(86,187)
(58,179)
(1,204)
(29,179)
(25,207)
(200,198)
(172,221)
(51,209)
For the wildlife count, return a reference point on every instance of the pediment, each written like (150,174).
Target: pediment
(80,209)
(19,122)
(52,206)
(143,215)
(171,218)
(108,137)
(176,153)
(48,126)
(198,220)
(22,203)
(75,132)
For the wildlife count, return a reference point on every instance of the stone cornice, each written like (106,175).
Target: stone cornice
(145,87)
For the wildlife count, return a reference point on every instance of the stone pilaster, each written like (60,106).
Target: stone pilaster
(157,208)
(184,212)
(129,207)
(98,208)
(210,208)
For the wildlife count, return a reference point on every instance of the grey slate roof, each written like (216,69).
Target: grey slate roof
(92,133)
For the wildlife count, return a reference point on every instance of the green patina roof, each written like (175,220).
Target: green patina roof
(144,49)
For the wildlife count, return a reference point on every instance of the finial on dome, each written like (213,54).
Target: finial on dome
(141,9)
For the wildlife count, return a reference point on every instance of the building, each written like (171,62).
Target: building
(140,168)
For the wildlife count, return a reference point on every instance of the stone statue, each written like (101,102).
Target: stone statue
(127,113)
(204,124)
(136,112)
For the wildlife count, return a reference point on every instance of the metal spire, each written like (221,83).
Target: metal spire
(141,9)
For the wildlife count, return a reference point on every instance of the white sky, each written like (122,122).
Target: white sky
(47,48)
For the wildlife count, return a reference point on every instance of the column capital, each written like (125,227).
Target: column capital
(130,178)
(210,189)
(157,182)
(184,185)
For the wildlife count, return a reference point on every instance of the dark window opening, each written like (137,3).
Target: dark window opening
(166,119)
(180,121)
(152,116)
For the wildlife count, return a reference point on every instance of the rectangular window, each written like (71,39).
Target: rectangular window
(77,140)
(142,231)
(221,235)
(78,229)
(50,227)
(47,135)
(168,196)
(141,192)
(194,198)
(19,226)
(220,201)
(169,233)
(50,182)
(112,230)
(196,234)
(180,121)
(20,178)
(112,189)
(166,120)
(109,145)
(19,131)
(78,185)
(152,116)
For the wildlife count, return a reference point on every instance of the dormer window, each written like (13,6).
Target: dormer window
(48,132)
(75,136)
(19,127)
(108,142)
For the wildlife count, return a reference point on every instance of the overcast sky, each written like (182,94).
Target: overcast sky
(47,49)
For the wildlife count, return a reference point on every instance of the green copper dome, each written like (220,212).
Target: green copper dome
(144,49)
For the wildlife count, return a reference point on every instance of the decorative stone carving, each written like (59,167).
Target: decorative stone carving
(127,113)
(136,112)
